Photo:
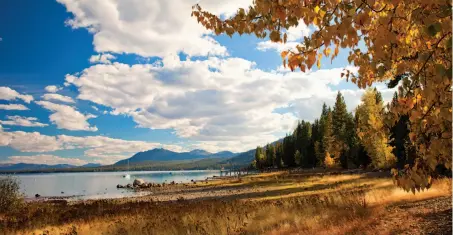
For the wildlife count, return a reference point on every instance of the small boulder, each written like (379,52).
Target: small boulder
(138,182)
(119,186)
(37,195)
(129,186)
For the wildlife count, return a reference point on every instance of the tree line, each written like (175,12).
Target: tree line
(399,39)
(367,138)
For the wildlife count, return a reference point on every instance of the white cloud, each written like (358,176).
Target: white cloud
(67,117)
(102,58)
(7,93)
(148,28)
(13,107)
(207,101)
(58,97)
(29,141)
(95,108)
(100,149)
(45,159)
(22,121)
(268,45)
(52,88)
(295,36)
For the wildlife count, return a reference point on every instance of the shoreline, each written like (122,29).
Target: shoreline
(315,200)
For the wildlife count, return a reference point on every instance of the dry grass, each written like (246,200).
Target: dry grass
(273,203)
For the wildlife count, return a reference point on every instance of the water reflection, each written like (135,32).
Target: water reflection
(99,184)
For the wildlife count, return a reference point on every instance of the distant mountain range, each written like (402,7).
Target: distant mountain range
(27,166)
(161,155)
(156,159)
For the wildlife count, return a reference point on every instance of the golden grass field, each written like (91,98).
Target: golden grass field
(304,202)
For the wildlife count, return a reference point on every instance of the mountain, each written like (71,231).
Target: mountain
(223,154)
(26,166)
(91,165)
(200,152)
(162,155)
(241,159)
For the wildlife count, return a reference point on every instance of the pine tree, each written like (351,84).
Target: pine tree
(288,151)
(279,154)
(305,151)
(328,140)
(339,122)
(259,158)
(320,149)
(270,155)
(403,150)
(297,158)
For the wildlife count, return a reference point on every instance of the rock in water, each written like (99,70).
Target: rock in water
(138,182)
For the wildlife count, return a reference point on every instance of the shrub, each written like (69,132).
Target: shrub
(10,197)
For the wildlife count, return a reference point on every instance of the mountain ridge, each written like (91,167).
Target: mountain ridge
(161,154)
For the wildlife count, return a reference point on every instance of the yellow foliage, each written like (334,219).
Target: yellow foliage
(370,130)
(328,161)
(413,37)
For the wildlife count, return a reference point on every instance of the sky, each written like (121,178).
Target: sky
(95,81)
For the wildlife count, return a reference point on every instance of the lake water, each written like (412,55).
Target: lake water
(91,185)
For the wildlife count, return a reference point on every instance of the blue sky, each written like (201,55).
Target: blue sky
(96,81)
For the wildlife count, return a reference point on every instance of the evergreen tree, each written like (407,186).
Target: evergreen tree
(403,150)
(339,122)
(360,157)
(328,138)
(297,158)
(260,158)
(270,155)
(288,151)
(314,145)
(378,96)
(320,148)
(279,154)
(305,152)
(351,142)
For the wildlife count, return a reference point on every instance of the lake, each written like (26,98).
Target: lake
(93,185)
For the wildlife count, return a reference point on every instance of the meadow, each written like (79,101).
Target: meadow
(282,202)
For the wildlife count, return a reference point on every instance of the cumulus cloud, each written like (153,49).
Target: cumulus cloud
(58,97)
(67,117)
(29,141)
(102,58)
(45,159)
(7,93)
(22,121)
(148,28)
(100,149)
(52,88)
(13,107)
(206,101)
